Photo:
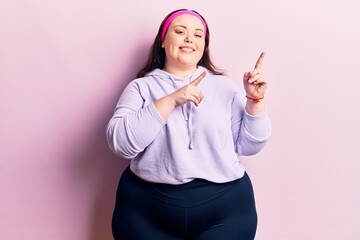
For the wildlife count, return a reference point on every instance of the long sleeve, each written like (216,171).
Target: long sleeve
(134,124)
(250,132)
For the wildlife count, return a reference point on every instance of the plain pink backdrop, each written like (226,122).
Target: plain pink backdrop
(63,65)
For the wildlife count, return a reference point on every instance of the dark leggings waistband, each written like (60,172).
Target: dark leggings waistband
(188,194)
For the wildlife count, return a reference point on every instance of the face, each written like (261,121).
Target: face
(184,42)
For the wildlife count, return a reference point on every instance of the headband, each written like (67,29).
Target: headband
(178,13)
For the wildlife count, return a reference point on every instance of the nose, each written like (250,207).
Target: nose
(188,39)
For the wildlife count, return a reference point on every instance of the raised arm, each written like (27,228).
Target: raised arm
(255,85)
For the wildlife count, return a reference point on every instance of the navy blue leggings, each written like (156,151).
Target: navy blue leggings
(198,210)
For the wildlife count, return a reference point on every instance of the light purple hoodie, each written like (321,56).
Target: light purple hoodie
(195,142)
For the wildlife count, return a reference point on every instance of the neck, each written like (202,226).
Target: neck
(180,72)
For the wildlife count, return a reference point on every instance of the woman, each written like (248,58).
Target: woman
(181,124)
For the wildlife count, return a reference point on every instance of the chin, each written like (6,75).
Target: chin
(191,63)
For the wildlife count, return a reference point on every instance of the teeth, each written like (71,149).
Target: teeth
(187,49)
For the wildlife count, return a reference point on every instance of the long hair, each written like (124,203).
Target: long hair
(156,57)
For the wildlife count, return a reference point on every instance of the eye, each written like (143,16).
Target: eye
(198,35)
(180,32)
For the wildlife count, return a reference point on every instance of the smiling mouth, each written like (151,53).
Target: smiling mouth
(187,49)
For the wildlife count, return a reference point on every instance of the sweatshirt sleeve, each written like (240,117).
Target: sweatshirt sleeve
(133,125)
(250,132)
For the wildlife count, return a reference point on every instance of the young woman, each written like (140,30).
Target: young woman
(183,125)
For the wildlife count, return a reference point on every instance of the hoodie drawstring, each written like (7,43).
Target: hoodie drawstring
(186,108)
(189,122)
(190,127)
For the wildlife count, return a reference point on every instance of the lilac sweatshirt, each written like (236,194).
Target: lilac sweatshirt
(195,142)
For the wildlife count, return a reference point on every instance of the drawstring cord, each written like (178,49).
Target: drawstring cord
(190,127)
(186,111)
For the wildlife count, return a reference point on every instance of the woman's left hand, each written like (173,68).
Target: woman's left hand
(255,83)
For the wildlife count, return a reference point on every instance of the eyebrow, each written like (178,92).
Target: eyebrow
(198,29)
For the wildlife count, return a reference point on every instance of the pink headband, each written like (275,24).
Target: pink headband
(178,13)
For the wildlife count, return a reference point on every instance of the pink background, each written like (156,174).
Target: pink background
(64,64)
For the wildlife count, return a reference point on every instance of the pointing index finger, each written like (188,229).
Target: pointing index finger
(198,79)
(260,61)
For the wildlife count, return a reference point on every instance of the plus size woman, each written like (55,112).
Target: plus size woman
(184,126)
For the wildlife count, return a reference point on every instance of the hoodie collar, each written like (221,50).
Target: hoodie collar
(166,75)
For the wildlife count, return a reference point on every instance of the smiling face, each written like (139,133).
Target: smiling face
(184,44)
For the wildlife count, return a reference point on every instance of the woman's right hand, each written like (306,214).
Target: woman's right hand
(189,92)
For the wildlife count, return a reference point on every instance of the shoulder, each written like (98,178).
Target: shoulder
(221,81)
(138,82)
(219,77)
(135,86)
